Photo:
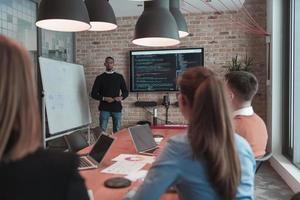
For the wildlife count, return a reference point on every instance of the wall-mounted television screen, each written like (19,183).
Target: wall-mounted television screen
(157,70)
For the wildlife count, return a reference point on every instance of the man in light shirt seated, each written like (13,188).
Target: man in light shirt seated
(242,88)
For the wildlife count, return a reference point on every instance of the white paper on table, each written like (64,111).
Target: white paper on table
(141,174)
(91,195)
(124,167)
(158,140)
(134,157)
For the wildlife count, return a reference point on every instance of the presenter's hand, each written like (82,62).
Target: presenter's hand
(108,99)
(118,98)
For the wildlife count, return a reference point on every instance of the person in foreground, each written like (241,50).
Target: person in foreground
(26,171)
(242,87)
(210,162)
(296,196)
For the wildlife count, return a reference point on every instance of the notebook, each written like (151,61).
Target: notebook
(142,138)
(95,156)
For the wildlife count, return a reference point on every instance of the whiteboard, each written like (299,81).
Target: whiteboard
(65,95)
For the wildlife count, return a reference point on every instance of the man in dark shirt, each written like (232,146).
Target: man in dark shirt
(106,89)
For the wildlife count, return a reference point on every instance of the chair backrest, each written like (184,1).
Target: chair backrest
(265,157)
(96,131)
(75,142)
(262,159)
(296,196)
(58,144)
(143,122)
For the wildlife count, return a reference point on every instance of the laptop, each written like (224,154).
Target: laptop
(95,156)
(143,139)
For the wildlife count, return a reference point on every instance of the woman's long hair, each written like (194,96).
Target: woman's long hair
(20,125)
(211,131)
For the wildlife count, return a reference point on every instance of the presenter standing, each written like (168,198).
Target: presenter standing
(106,90)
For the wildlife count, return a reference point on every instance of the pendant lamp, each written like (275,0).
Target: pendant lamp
(180,20)
(156,27)
(63,15)
(102,16)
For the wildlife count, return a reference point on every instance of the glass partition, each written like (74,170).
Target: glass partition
(17,21)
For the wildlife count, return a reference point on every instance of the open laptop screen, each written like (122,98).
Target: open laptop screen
(142,137)
(101,147)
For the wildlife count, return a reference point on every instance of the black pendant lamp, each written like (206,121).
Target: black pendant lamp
(180,20)
(63,15)
(101,14)
(156,27)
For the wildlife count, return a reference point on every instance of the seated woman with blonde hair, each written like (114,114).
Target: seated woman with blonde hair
(27,171)
(210,162)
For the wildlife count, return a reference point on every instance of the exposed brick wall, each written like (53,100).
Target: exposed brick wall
(221,41)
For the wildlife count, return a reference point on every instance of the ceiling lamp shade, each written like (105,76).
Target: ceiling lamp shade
(63,15)
(156,27)
(102,16)
(180,20)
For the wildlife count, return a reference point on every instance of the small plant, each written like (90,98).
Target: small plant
(240,65)
(248,63)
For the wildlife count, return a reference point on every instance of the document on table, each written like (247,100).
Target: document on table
(141,174)
(134,157)
(124,167)
(91,195)
(158,140)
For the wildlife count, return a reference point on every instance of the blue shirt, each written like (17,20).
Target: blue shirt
(176,166)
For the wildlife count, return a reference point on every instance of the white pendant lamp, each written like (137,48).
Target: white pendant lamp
(156,27)
(102,16)
(180,20)
(63,15)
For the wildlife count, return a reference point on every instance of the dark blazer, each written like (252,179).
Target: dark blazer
(43,175)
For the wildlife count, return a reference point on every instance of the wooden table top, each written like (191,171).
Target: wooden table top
(94,179)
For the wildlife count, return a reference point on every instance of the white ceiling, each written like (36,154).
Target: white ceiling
(124,8)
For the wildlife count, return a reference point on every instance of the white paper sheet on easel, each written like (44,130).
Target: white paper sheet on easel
(124,167)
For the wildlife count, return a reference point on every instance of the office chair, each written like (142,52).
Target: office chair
(58,144)
(75,142)
(143,122)
(260,160)
(95,133)
(296,196)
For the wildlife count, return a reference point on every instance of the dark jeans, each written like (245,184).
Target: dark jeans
(116,118)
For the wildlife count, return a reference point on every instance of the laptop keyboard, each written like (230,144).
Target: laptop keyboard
(83,162)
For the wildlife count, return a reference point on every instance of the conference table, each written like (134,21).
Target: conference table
(123,144)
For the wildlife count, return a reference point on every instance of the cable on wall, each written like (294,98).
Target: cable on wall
(251,26)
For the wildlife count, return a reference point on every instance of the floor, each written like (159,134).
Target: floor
(270,186)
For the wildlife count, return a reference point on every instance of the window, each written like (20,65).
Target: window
(57,45)
(17,21)
(291,141)
(295,85)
